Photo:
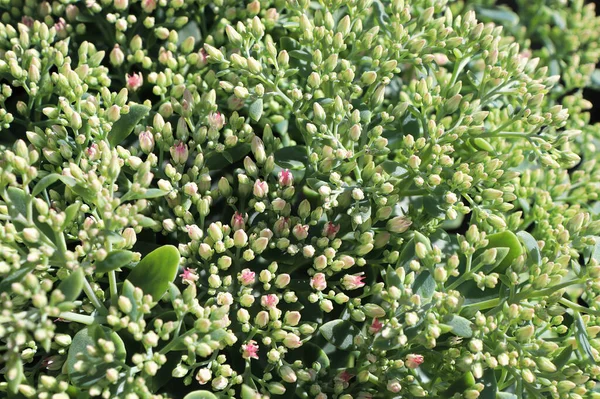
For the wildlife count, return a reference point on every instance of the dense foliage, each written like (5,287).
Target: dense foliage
(328,199)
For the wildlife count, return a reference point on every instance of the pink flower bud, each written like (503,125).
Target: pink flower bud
(318,282)
(375,326)
(148,5)
(330,230)
(413,361)
(300,231)
(292,341)
(292,318)
(146,141)
(179,153)
(216,120)
(238,221)
(269,301)
(353,281)
(286,178)
(261,189)
(194,232)
(250,350)
(247,277)
(189,276)
(134,82)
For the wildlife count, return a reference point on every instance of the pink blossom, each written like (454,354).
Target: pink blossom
(148,5)
(318,282)
(60,25)
(202,59)
(269,301)
(353,281)
(134,81)
(27,21)
(344,378)
(330,230)
(238,222)
(189,276)
(413,361)
(286,178)
(300,231)
(216,120)
(281,225)
(261,188)
(375,326)
(93,152)
(250,350)
(247,277)
(179,153)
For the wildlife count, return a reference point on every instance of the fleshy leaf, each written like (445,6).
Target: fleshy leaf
(460,326)
(125,125)
(505,239)
(154,273)
(114,260)
(533,250)
(256,109)
(340,333)
(71,286)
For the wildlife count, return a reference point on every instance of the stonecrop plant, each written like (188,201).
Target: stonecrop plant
(346,199)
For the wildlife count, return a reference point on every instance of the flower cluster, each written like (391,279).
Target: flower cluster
(327,199)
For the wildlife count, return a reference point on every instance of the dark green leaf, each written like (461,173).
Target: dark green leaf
(393,168)
(595,81)
(301,55)
(71,286)
(149,193)
(218,161)
(154,273)
(460,326)
(125,125)
(49,180)
(382,16)
(256,109)
(16,276)
(15,363)
(340,333)
(563,357)
(114,260)
(127,292)
(533,250)
(200,395)
(391,278)
(490,386)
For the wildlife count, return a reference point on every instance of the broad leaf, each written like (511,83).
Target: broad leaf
(533,250)
(340,333)
(96,367)
(505,239)
(424,285)
(114,260)
(256,109)
(154,273)
(460,326)
(125,125)
(583,342)
(71,286)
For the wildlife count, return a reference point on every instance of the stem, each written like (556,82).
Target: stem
(490,303)
(78,318)
(577,307)
(87,288)
(112,281)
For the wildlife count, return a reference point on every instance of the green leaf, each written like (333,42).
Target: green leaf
(501,15)
(114,260)
(583,342)
(18,201)
(96,373)
(506,395)
(154,273)
(49,180)
(200,395)
(16,276)
(125,125)
(490,385)
(563,357)
(294,159)
(460,326)
(71,212)
(505,239)
(218,161)
(533,250)
(393,168)
(424,285)
(340,333)
(256,109)
(595,81)
(71,286)
(301,55)
(149,193)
